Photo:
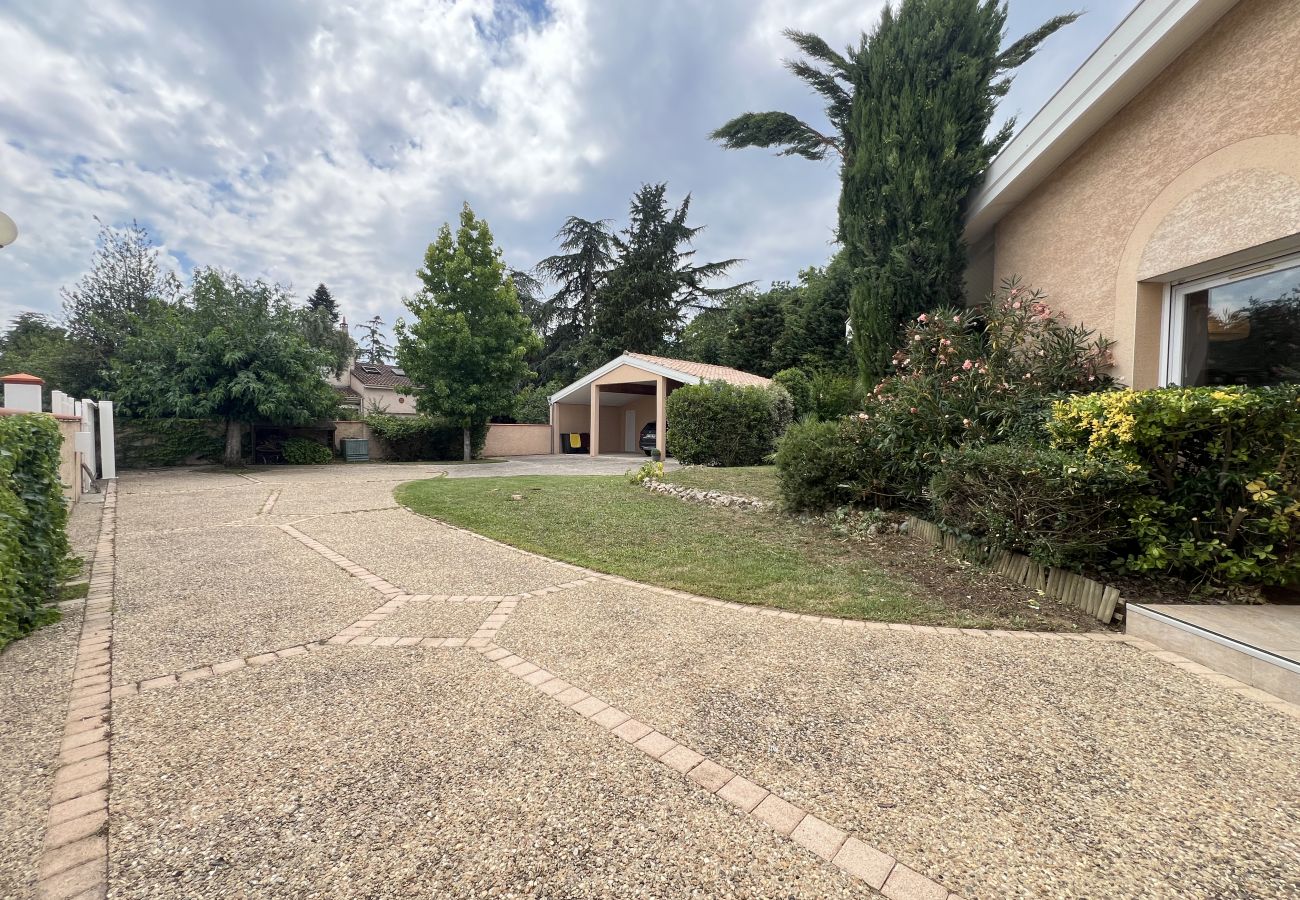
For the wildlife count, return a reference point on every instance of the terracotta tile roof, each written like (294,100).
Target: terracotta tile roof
(705,370)
(346,394)
(21,378)
(383,376)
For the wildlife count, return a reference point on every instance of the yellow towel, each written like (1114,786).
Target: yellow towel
(575,440)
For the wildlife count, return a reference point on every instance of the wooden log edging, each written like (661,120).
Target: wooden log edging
(1102,601)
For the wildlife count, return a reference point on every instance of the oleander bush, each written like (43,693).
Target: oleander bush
(421,437)
(33,515)
(1224,468)
(961,377)
(304,452)
(1062,507)
(720,424)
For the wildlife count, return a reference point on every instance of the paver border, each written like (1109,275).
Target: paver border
(74,852)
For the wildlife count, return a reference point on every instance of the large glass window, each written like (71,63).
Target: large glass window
(1237,328)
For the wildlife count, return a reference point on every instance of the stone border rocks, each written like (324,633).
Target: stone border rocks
(712,498)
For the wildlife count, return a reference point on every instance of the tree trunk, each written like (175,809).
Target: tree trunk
(465,431)
(234,440)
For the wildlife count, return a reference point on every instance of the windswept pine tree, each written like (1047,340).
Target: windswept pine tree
(372,346)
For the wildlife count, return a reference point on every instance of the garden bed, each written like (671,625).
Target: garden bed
(757,557)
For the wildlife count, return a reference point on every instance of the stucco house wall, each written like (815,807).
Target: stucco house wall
(517,440)
(1203,163)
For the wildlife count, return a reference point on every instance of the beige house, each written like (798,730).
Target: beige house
(372,387)
(607,410)
(1156,197)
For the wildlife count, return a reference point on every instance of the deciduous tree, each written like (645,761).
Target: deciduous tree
(467,344)
(232,350)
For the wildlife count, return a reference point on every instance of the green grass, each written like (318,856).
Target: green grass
(613,526)
(740,481)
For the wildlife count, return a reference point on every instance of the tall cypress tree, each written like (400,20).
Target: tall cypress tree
(926,86)
(909,108)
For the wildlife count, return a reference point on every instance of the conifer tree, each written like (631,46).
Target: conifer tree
(909,108)
(374,348)
(926,86)
(322,299)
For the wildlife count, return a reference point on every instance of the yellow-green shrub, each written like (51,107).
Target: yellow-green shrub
(1224,469)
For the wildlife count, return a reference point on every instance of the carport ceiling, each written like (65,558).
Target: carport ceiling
(618,398)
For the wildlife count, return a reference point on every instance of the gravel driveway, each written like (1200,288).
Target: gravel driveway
(318,694)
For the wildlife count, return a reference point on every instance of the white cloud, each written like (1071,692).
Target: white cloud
(309,141)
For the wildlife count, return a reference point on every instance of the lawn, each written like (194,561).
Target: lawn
(739,481)
(610,525)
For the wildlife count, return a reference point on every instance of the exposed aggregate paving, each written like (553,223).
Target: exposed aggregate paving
(185,600)
(34,677)
(435,618)
(427,557)
(415,774)
(999,767)
(1002,767)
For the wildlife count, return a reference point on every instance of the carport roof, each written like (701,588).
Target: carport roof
(683,370)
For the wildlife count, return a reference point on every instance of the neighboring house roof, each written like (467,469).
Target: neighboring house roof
(682,370)
(1130,58)
(380,375)
(347,394)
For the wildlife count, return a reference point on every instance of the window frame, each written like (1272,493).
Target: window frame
(1173,316)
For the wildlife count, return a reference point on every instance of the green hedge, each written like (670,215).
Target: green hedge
(33,515)
(421,437)
(151,443)
(720,424)
(1224,467)
(1063,508)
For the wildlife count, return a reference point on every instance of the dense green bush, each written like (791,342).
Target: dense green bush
(1063,508)
(815,466)
(799,386)
(720,424)
(303,452)
(1224,465)
(423,437)
(149,443)
(33,542)
(834,394)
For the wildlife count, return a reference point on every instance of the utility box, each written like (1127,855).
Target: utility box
(355,449)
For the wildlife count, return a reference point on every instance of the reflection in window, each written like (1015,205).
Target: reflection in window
(1244,332)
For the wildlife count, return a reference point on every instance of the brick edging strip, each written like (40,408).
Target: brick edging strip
(850,855)
(74,856)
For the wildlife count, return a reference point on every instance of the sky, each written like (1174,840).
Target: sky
(327,141)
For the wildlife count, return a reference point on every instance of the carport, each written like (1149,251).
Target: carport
(606,410)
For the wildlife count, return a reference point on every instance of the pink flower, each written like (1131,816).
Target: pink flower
(966,422)
(1016,305)
(922,318)
(955,378)
(957,319)
(913,409)
(916,337)
(968,365)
